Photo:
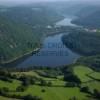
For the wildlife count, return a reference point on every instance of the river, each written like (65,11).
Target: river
(65,22)
(53,53)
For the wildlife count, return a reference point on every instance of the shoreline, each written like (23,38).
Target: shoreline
(20,57)
(27,54)
(13,63)
(15,60)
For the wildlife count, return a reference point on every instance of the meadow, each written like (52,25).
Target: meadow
(58,90)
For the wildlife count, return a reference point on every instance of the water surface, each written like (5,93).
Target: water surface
(65,22)
(53,53)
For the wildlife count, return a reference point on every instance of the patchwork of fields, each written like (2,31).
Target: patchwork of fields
(57,91)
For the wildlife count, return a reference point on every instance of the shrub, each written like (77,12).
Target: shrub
(20,88)
(29,97)
(4,90)
(49,83)
(43,90)
(85,89)
(70,84)
(96,93)
(43,83)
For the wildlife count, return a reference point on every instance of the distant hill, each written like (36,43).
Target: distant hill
(83,42)
(89,17)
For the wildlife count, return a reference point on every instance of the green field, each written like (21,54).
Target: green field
(12,86)
(95,75)
(82,72)
(57,91)
(4,98)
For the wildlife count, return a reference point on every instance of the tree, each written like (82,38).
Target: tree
(25,80)
(43,90)
(72,78)
(85,89)
(96,93)
(73,98)
(20,88)
(43,82)
(70,84)
(30,97)
(49,83)
(32,81)
(4,90)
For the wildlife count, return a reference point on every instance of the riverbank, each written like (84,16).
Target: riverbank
(30,55)
(19,58)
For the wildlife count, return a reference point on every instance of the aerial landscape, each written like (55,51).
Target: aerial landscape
(49,50)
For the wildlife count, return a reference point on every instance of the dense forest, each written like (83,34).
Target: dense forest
(83,42)
(21,29)
(88,17)
(87,44)
(91,61)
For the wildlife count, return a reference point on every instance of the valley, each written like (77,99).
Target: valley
(50,51)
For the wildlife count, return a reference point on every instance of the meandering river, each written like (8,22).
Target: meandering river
(65,22)
(53,53)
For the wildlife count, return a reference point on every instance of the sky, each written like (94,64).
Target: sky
(29,1)
(5,1)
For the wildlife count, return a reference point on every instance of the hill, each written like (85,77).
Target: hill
(83,42)
(88,17)
(21,29)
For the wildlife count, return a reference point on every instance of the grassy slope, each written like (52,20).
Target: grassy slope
(12,86)
(4,98)
(57,91)
(82,72)
(96,75)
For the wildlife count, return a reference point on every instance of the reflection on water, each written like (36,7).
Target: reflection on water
(53,53)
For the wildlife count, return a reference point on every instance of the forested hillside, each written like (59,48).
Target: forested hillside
(21,29)
(88,17)
(86,43)
(91,61)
